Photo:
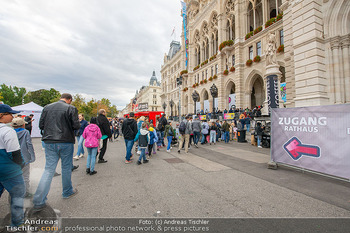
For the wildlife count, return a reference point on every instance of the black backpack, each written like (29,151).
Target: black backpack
(182,128)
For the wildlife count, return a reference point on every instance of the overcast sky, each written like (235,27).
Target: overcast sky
(97,48)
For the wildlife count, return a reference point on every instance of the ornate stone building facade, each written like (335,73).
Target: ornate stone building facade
(311,38)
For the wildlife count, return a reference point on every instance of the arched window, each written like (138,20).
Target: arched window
(228,30)
(250,19)
(216,42)
(233,28)
(212,45)
(207,49)
(258,14)
(272,6)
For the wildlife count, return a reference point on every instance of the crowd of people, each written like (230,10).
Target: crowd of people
(60,125)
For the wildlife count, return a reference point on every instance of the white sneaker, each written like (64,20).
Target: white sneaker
(81,156)
(76,157)
(167,150)
(260,146)
(139,152)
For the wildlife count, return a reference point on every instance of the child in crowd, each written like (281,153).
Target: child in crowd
(151,140)
(92,135)
(11,163)
(27,150)
(155,138)
(169,133)
(143,138)
(213,129)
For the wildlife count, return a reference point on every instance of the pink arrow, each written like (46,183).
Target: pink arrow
(296,149)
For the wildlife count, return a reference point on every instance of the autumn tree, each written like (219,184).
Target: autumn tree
(12,96)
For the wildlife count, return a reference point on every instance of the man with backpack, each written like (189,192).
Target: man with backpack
(161,127)
(185,130)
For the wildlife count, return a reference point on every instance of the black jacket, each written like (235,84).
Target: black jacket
(58,122)
(129,129)
(103,123)
(162,123)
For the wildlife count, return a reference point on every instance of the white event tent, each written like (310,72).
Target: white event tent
(31,108)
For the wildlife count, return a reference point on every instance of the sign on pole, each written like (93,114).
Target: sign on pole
(314,138)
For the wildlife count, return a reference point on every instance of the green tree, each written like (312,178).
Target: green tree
(78,102)
(43,97)
(12,95)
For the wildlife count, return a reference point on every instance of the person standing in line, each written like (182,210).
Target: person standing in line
(103,123)
(154,148)
(58,122)
(151,140)
(169,134)
(185,130)
(226,131)
(205,132)
(143,137)
(27,150)
(259,132)
(197,128)
(80,139)
(92,134)
(29,119)
(129,129)
(213,129)
(11,164)
(162,123)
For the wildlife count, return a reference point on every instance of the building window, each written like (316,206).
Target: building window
(216,68)
(281,37)
(258,48)
(233,60)
(154,96)
(226,64)
(203,75)
(212,71)
(206,73)
(251,52)
(154,90)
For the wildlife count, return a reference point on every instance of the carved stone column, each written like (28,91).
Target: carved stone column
(346,61)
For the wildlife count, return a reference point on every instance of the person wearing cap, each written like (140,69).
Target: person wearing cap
(28,120)
(11,163)
(58,122)
(27,149)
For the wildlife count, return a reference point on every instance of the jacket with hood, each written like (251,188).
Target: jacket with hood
(205,128)
(196,125)
(143,137)
(92,134)
(152,136)
(25,141)
(129,129)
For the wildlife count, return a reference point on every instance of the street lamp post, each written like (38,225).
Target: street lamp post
(179,83)
(171,107)
(164,106)
(195,97)
(214,94)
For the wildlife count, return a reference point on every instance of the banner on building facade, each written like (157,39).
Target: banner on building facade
(272,92)
(184,17)
(143,106)
(314,138)
(198,107)
(231,100)
(284,92)
(229,116)
(206,106)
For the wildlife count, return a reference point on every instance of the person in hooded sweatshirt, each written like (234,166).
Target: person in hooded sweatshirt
(129,129)
(27,150)
(151,140)
(143,137)
(92,135)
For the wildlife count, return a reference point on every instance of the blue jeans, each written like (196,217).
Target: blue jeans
(80,141)
(227,136)
(143,154)
(259,139)
(248,127)
(54,152)
(203,138)
(16,188)
(162,137)
(196,137)
(129,144)
(91,159)
(213,136)
(170,138)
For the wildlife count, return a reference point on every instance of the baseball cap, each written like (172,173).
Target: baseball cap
(17,122)
(5,108)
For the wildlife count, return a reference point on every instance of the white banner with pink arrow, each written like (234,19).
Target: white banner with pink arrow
(314,138)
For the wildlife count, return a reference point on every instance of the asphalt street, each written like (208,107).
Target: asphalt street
(222,180)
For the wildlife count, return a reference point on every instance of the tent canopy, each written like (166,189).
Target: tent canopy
(29,107)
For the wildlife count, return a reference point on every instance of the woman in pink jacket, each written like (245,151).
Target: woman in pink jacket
(92,134)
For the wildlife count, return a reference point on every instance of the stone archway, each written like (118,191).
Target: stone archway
(257,96)
(205,100)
